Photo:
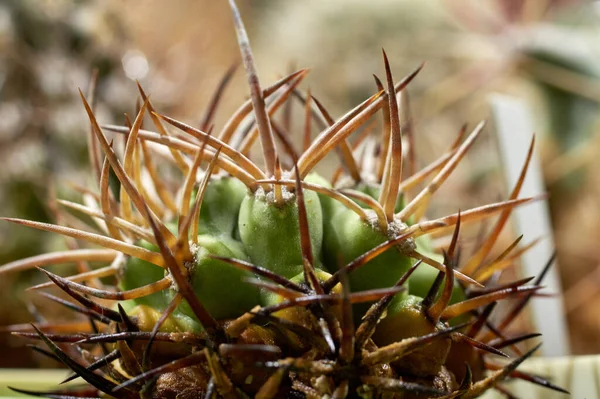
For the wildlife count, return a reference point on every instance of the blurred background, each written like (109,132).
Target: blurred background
(543,52)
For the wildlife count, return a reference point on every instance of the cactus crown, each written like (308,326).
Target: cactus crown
(276,282)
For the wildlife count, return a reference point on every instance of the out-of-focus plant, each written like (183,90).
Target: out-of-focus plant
(47,50)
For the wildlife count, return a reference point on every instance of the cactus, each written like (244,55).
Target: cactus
(273,282)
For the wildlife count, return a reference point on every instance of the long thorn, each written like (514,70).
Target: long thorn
(111,314)
(140,292)
(421,199)
(305,243)
(182,248)
(306,137)
(93,153)
(231,152)
(502,343)
(131,228)
(385,138)
(125,180)
(435,311)
(106,271)
(258,102)
(94,379)
(367,327)
(407,129)
(344,150)
(488,270)
(102,362)
(355,297)
(537,380)
(53,258)
(192,148)
(177,272)
(176,338)
(510,317)
(111,243)
(363,260)
(485,249)
(250,137)
(470,215)
(284,292)
(397,350)
(480,386)
(107,202)
(324,143)
(347,344)
(232,124)
(195,215)
(159,185)
(163,132)
(209,114)
(440,267)
(175,365)
(481,320)
(163,317)
(473,293)
(260,271)
(333,194)
(395,159)
(78,309)
(128,158)
(473,303)
(479,345)
(284,137)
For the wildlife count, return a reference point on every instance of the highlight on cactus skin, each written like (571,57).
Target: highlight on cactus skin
(268,282)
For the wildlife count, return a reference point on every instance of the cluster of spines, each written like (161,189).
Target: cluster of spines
(348,352)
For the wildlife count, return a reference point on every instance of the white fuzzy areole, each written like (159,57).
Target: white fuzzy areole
(395,228)
(269,196)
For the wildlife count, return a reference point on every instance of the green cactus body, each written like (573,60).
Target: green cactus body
(270,232)
(373,191)
(147,316)
(299,315)
(405,319)
(423,277)
(221,206)
(349,237)
(218,285)
(136,273)
(329,206)
(269,298)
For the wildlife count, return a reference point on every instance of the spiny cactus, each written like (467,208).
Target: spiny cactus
(243,281)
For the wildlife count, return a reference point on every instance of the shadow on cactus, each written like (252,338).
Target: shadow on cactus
(237,281)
